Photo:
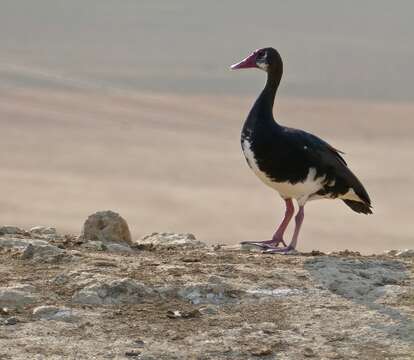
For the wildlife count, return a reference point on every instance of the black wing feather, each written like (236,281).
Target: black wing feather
(328,162)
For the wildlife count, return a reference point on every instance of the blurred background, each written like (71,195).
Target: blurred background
(130,106)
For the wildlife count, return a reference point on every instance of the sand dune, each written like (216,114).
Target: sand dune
(173,163)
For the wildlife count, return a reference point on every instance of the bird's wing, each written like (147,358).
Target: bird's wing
(318,146)
(319,152)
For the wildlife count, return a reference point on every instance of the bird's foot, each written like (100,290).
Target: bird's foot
(278,240)
(280,250)
(266,244)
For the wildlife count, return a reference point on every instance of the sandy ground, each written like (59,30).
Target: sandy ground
(173,163)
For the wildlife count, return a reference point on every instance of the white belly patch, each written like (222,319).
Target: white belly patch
(300,191)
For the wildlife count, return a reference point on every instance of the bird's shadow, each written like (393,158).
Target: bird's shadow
(365,281)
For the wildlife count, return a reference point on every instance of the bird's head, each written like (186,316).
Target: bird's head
(265,59)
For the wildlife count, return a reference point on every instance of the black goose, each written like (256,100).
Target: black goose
(295,163)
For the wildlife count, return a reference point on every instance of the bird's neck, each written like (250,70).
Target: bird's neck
(262,110)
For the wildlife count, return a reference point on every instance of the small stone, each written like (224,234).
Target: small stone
(170,240)
(11,321)
(391,252)
(113,292)
(139,343)
(207,293)
(308,352)
(4,311)
(263,351)
(94,245)
(132,353)
(118,248)
(191,259)
(107,227)
(75,253)
(183,314)
(407,253)
(334,356)
(209,310)
(43,230)
(48,312)
(346,253)
(316,253)
(173,314)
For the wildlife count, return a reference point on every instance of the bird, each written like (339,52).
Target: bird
(297,164)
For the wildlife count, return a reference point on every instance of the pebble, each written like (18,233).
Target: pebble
(4,311)
(132,353)
(308,352)
(263,351)
(11,321)
(50,312)
(183,314)
(209,310)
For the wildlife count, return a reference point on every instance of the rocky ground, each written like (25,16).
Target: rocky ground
(168,296)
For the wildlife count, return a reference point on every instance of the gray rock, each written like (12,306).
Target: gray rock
(11,321)
(48,312)
(25,287)
(357,279)
(47,231)
(10,229)
(277,292)
(11,242)
(118,248)
(209,310)
(107,227)
(43,253)
(113,292)
(94,245)
(133,353)
(34,249)
(407,253)
(200,293)
(171,240)
(17,296)
(111,247)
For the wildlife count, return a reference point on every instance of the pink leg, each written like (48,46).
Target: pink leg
(292,246)
(278,235)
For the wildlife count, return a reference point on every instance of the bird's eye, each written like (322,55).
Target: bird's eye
(260,54)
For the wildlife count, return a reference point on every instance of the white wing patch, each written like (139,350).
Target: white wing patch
(350,195)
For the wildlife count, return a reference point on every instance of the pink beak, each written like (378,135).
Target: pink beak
(249,62)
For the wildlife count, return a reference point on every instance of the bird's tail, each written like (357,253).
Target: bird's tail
(359,207)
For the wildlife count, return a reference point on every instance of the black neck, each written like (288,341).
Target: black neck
(263,108)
